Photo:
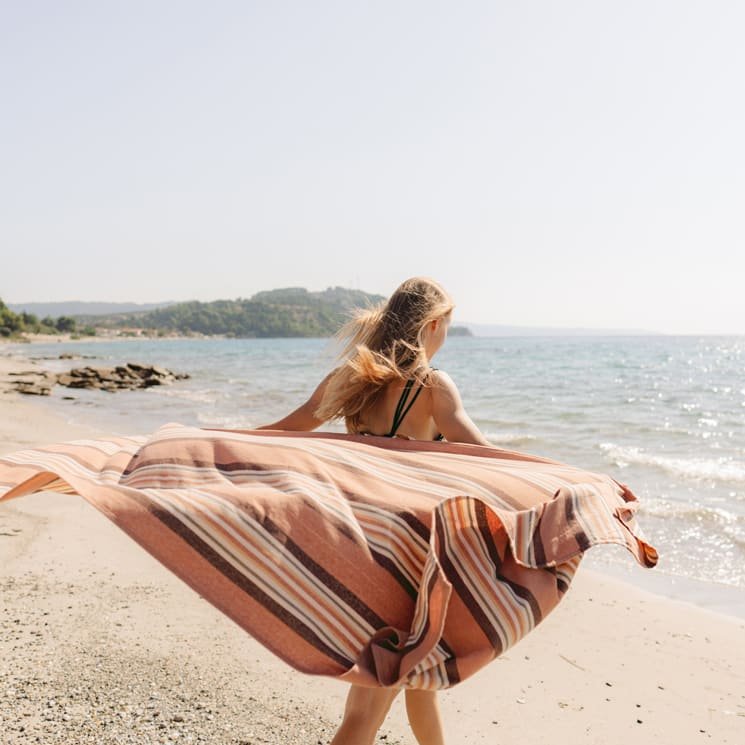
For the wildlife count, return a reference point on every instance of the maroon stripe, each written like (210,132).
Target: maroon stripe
(451,670)
(579,535)
(428,591)
(328,580)
(539,550)
(390,566)
(415,524)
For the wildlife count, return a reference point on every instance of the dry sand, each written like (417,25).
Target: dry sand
(100,644)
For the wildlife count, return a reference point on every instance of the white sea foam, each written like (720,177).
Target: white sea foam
(222,421)
(197,396)
(717,531)
(690,511)
(721,469)
(508,438)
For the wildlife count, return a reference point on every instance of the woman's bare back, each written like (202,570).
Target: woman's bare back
(413,405)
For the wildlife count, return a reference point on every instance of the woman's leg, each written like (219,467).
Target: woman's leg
(364,712)
(424,717)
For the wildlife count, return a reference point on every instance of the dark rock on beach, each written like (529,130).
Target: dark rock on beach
(33,382)
(122,377)
(66,356)
(128,376)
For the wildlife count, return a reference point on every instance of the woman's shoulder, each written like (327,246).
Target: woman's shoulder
(444,391)
(439,378)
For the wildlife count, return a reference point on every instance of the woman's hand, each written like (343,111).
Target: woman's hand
(448,412)
(303,419)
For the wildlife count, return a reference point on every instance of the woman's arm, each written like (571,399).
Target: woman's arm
(303,419)
(449,415)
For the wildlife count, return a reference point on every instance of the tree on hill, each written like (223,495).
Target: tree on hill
(10,322)
(14,324)
(65,324)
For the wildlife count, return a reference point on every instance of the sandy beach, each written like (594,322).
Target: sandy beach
(101,644)
(102,336)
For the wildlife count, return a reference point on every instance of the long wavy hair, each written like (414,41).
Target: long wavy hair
(382,344)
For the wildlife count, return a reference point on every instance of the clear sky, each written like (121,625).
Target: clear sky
(551,163)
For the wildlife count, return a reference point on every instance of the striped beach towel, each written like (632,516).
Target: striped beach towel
(380,561)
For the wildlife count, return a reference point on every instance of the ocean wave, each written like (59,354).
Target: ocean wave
(721,521)
(721,469)
(691,511)
(669,429)
(508,438)
(213,419)
(203,396)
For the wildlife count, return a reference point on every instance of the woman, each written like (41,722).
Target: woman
(386,387)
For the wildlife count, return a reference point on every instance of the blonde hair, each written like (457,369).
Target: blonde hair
(382,344)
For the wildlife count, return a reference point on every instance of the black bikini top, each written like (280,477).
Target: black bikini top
(402,409)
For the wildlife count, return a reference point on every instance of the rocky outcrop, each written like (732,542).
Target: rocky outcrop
(32,382)
(122,377)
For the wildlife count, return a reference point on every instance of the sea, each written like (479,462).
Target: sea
(663,414)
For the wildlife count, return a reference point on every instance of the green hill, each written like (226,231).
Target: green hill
(287,312)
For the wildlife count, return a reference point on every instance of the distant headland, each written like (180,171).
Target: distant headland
(286,312)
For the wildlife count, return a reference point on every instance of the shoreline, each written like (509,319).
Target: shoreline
(67,338)
(117,643)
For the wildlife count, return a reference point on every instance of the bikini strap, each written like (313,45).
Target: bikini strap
(402,409)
